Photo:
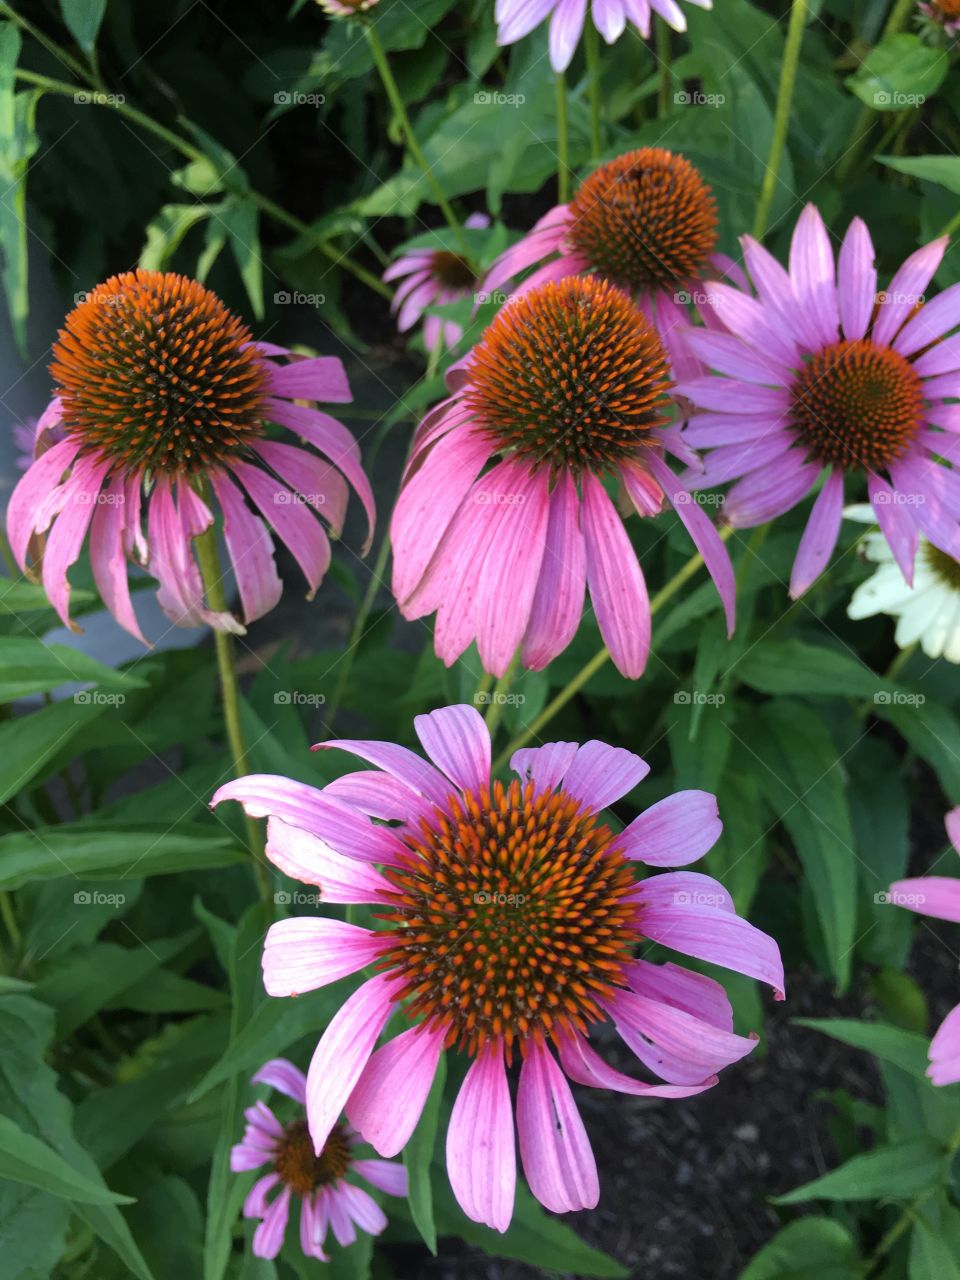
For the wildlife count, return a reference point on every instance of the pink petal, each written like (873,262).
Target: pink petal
(952,823)
(481,1161)
(388,1099)
(284,1076)
(599,774)
(820,535)
(306,474)
(399,762)
(678,1046)
(304,953)
(318,378)
(856,280)
(945,1050)
(65,540)
(674,832)
(898,528)
(306,858)
(558,599)
(250,548)
(457,741)
(268,1237)
(255,1205)
(730,356)
(294,523)
(554,1146)
(935,896)
(617,588)
(695,993)
(760,497)
(813,275)
(583,1064)
(385,1175)
(545,765)
(107,557)
(907,288)
(35,484)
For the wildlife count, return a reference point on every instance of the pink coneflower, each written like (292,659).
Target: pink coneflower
(824,378)
(938,897)
(433,277)
(164,402)
(511,918)
(566,388)
(647,222)
(940,15)
(318,1179)
(517,18)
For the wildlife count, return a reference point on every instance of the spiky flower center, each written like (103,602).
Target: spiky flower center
(513,918)
(944,568)
(857,405)
(153,369)
(301,1169)
(570,374)
(950,9)
(453,271)
(646,220)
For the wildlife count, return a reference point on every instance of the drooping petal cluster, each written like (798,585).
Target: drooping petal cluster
(433,277)
(319,1180)
(939,898)
(517,18)
(162,415)
(821,378)
(503,520)
(511,917)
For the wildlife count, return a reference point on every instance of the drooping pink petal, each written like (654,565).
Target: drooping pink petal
(389,1097)
(674,832)
(617,588)
(341,1223)
(760,497)
(671,984)
(304,857)
(320,378)
(69,530)
(934,896)
(820,535)
(284,1076)
(584,1064)
(457,741)
(380,796)
(900,531)
(292,520)
(399,762)
(481,1161)
(361,1208)
(309,1241)
(562,582)
(250,549)
(255,1205)
(268,1237)
(600,774)
(945,1050)
(554,1147)
(678,1046)
(107,557)
(304,953)
(386,1175)
(343,1052)
(34,485)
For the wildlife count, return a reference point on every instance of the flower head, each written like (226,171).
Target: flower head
(318,1179)
(939,898)
(433,277)
(566,388)
(939,18)
(517,18)
(163,409)
(820,377)
(647,222)
(927,610)
(511,915)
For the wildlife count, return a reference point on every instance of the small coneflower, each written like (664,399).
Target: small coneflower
(647,222)
(346,8)
(939,898)
(821,377)
(503,518)
(517,18)
(433,277)
(318,1179)
(938,16)
(511,915)
(164,404)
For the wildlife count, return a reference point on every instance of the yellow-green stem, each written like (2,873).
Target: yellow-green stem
(413,146)
(781,118)
(563,141)
(498,698)
(592,46)
(208,557)
(599,659)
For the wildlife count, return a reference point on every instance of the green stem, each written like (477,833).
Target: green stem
(864,121)
(359,626)
(190,152)
(592,46)
(666,76)
(400,111)
(10,919)
(599,660)
(211,572)
(51,46)
(781,118)
(563,141)
(498,699)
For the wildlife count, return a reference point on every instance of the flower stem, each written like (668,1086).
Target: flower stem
(666,75)
(599,659)
(10,918)
(563,141)
(592,46)
(498,699)
(413,146)
(781,118)
(211,572)
(359,625)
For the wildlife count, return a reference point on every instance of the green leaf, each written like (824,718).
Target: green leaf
(18,144)
(20,596)
(904,1049)
(83,19)
(797,768)
(418,1157)
(24,1158)
(933,733)
(30,666)
(902,1170)
(899,72)
(165,233)
(242,221)
(935,1244)
(28,742)
(808,1249)
(793,666)
(106,851)
(943,170)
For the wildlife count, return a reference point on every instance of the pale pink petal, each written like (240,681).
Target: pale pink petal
(481,1161)
(934,896)
(945,1050)
(583,1064)
(679,1047)
(250,549)
(617,588)
(760,497)
(255,1205)
(361,1207)
(856,280)
(386,1175)
(813,276)
(389,1097)
(293,521)
(735,358)
(318,378)
(932,321)
(554,1147)
(319,483)
(820,535)
(671,984)
(268,1237)
(561,586)
(108,559)
(900,531)
(907,289)
(304,953)
(65,540)
(35,484)
(284,1076)
(545,765)
(599,774)
(457,741)
(674,832)
(304,857)
(399,762)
